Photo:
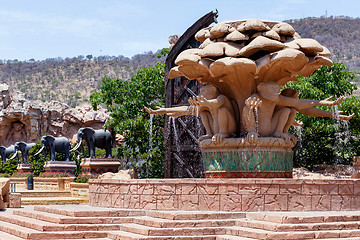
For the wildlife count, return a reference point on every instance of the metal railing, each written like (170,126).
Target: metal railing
(12,187)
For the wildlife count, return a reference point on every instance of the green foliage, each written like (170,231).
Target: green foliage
(22,174)
(9,166)
(125,100)
(37,162)
(326,140)
(163,52)
(5,175)
(84,178)
(54,175)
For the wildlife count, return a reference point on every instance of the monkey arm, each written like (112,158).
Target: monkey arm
(212,103)
(316,112)
(306,103)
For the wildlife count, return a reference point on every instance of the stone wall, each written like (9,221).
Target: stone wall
(227,194)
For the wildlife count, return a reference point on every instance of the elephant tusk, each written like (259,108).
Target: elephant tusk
(76,147)
(41,149)
(16,153)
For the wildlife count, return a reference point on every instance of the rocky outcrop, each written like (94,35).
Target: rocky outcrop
(122,174)
(25,120)
(4,192)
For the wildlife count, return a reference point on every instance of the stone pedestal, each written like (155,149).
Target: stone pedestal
(96,166)
(24,167)
(14,200)
(61,167)
(237,158)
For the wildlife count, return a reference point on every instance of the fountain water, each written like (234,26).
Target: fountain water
(150,131)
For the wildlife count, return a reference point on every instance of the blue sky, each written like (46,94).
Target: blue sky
(43,29)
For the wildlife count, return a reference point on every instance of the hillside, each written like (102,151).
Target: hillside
(340,34)
(69,80)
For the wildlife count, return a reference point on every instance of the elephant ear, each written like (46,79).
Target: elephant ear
(20,144)
(89,130)
(50,139)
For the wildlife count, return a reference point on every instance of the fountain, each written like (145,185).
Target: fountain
(244,65)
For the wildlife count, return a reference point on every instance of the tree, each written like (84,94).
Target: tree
(125,99)
(325,140)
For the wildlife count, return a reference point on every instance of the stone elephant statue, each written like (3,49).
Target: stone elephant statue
(95,138)
(5,152)
(55,144)
(24,148)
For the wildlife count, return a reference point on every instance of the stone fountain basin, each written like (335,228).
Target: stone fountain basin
(268,157)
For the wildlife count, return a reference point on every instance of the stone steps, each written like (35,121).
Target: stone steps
(44,226)
(290,235)
(305,217)
(195,215)
(165,223)
(61,219)
(86,222)
(123,235)
(228,237)
(47,197)
(27,233)
(87,211)
(182,231)
(7,236)
(51,200)
(270,226)
(43,193)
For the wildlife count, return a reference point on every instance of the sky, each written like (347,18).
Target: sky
(40,29)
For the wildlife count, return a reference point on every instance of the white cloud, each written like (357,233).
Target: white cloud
(13,22)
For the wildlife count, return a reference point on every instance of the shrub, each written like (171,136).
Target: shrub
(84,178)
(22,174)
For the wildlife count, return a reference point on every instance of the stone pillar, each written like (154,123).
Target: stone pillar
(61,167)
(24,168)
(15,200)
(96,166)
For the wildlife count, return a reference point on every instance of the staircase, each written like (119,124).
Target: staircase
(85,222)
(47,197)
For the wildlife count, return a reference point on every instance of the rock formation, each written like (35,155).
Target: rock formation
(26,120)
(4,192)
(122,174)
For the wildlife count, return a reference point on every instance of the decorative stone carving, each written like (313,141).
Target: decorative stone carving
(271,121)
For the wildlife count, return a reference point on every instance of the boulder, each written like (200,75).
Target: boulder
(4,190)
(122,174)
